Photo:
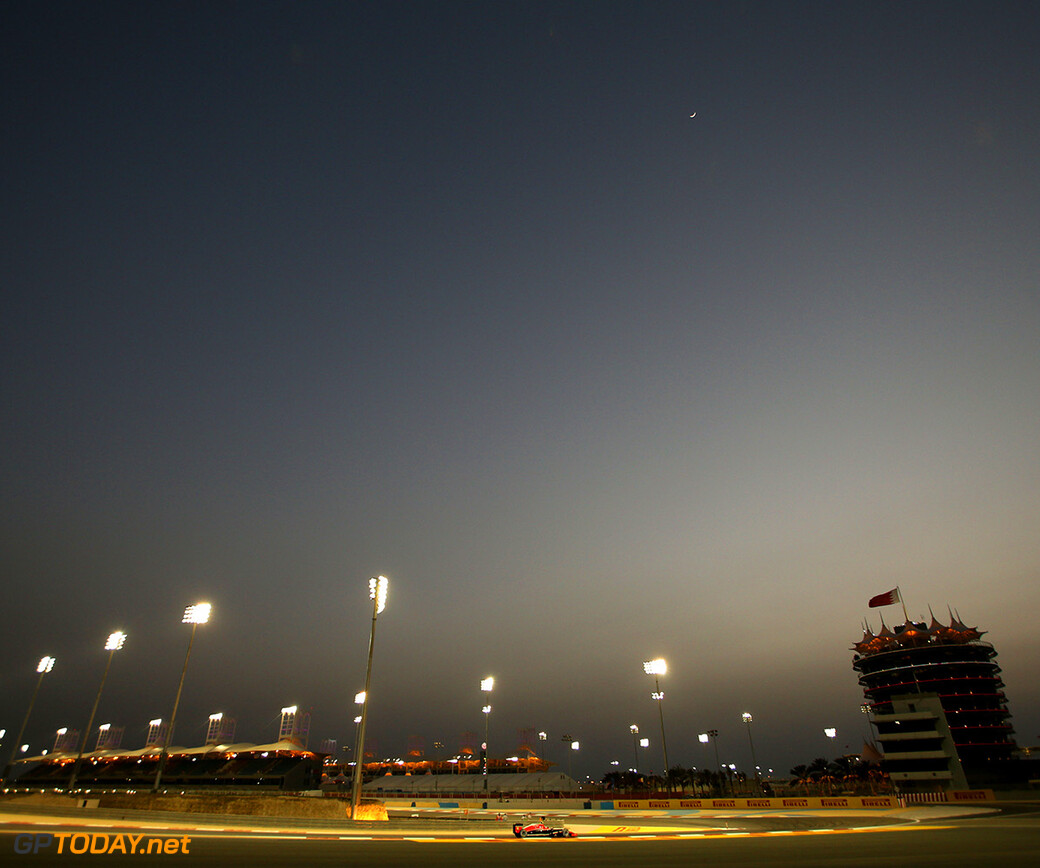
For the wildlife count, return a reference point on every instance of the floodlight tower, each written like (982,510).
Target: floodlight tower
(747,718)
(657,668)
(45,665)
(114,643)
(378,588)
(486,685)
(194,615)
(712,735)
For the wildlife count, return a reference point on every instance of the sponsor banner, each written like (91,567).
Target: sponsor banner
(809,802)
(972,796)
(701,804)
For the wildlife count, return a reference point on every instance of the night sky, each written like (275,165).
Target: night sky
(295,294)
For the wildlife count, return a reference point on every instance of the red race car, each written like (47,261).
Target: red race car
(541,830)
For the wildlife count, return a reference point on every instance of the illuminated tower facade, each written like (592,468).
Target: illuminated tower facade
(952,663)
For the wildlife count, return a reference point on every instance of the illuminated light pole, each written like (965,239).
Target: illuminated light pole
(45,665)
(712,736)
(114,643)
(377,590)
(657,668)
(831,733)
(747,718)
(487,685)
(566,739)
(575,745)
(635,746)
(194,615)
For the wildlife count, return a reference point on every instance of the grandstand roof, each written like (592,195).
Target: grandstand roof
(175,750)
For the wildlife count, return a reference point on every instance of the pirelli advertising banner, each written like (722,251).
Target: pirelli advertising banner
(783,802)
(774,803)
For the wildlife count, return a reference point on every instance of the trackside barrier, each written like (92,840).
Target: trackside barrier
(971,796)
(950,796)
(773,803)
(924,798)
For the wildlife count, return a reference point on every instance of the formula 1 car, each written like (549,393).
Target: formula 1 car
(541,830)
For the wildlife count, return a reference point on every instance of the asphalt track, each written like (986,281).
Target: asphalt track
(941,836)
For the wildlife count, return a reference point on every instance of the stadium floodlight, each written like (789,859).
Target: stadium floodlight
(360,697)
(291,709)
(194,615)
(197,614)
(378,588)
(45,665)
(487,684)
(112,644)
(217,716)
(115,640)
(658,667)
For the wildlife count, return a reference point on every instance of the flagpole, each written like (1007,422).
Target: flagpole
(899,593)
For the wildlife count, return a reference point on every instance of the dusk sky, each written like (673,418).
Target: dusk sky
(295,294)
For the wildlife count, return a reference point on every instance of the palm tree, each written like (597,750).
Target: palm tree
(802,776)
(654,783)
(678,778)
(706,780)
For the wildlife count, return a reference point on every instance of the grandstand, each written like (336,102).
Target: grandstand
(280,766)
